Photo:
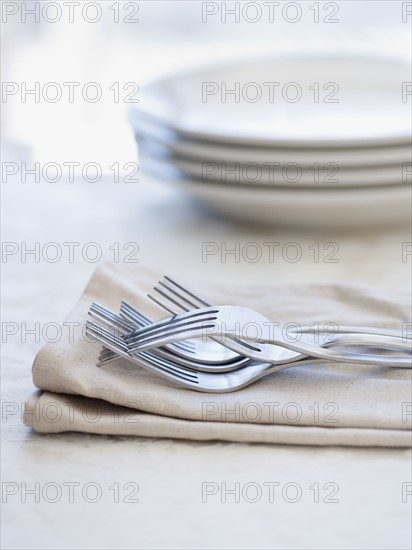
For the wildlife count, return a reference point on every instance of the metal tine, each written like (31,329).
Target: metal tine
(109,317)
(102,313)
(179,320)
(176,318)
(172,299)
(182,319)
(168,335)
(113,319)
(201,302)
(192,305)
(107,355)
(162,305)
(179,304)
(101,333)
(133,315)
(147,361)
(182,371)
(184,325)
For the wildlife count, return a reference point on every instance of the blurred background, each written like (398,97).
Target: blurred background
(158,38)
(121,46)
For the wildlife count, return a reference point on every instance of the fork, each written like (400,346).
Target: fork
(209,353)
(223,321)
(116,322)
(190,360)
(199,381)
(186,300)
(214,353)
(205,352)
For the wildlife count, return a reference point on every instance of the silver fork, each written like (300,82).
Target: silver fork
(186,358)
(117,323)
(114,321)
(226,321)
(205,352)
(199,381)
(185,300)
(210,352)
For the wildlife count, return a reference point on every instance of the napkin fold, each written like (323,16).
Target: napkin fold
(326,404)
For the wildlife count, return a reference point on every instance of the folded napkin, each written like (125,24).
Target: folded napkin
(327,404)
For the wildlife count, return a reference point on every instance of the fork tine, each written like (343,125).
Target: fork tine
(113,320)
(171,335)
(182,371)
(174,294)
(109,317)
(162,304)
(132,313)
(103,335)
(100,333)
(195,315)
(168,370)
(107,360)
(106,354)
(167,373)
(156,331)
(175,297)
(131,318)
(185,291)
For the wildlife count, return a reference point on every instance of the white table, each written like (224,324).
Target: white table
(170,513)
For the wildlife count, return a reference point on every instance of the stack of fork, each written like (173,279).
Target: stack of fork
(207,348)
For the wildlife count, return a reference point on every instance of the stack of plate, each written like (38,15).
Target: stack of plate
(302,141)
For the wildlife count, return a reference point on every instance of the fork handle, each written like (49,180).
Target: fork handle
(267,350)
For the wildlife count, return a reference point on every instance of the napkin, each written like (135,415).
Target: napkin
(325,404)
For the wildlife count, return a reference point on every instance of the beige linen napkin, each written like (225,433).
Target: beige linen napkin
(329,404)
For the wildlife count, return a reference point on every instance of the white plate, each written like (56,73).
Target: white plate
(328,174)
(307,208)
(169,143)
(369,108)
(301,207)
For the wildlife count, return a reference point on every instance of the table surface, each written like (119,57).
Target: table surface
(167,477)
